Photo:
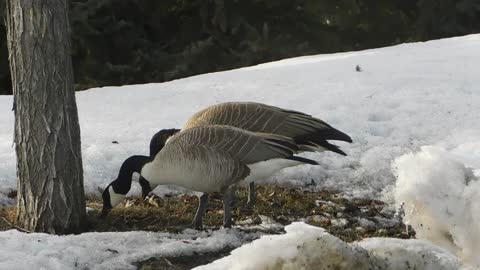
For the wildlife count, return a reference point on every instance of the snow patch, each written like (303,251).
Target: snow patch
(441,200)
(118,250)
(308,247)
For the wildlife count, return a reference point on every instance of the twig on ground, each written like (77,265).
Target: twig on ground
(14,226)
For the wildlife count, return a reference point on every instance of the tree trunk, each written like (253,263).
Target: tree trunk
(47,134)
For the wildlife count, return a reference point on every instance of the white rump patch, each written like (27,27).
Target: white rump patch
(264,169)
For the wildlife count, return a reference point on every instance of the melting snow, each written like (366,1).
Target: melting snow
(308,247)
(441,198)
(117,250)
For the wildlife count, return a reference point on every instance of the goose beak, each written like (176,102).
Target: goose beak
(145,194)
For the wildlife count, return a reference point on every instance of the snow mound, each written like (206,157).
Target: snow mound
(409,254)
(440,197)
(308,247)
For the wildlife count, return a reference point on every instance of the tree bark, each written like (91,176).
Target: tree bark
(47,134)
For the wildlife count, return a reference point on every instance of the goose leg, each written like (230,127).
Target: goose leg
(227,214)
(202,207)
(234,197)
(251,195)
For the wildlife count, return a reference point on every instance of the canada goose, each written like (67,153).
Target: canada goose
(207,159)
(309,133)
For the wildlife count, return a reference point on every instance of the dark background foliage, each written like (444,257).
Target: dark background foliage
(118,42)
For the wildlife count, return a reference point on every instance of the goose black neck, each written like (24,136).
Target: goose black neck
(159,139)
(131,165)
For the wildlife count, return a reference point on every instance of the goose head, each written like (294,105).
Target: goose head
(116,191)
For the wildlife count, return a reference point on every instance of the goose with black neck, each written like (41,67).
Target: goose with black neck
(207,159)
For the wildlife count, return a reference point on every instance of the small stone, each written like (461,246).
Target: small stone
(360,229)
(326,208)
(327,215)
(245,222)
(385,222)
(267,220)
(318,218)
(257,220)
(382,231)
(364,210)
(322,202)
(339,222)
(282,218)
(368,224)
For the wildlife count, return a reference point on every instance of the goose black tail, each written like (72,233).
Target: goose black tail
(304,160)
(313,146)
(324,134)
(290,145)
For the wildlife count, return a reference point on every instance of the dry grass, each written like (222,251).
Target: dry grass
(174,214)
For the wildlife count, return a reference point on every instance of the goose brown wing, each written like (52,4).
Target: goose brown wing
(200,167)
(258,117)
(244,146)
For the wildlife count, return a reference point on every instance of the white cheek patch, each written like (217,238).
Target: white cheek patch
(115,198)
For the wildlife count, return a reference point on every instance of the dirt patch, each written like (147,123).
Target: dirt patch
(182,262)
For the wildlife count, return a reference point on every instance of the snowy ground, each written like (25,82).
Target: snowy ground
(406,97)
(308,247)
(117,250)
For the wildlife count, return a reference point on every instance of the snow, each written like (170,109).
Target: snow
(408,254)
(414,105)
(308,247)
(117,250)
(441,200)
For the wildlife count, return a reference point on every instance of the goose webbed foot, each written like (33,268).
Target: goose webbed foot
(251,195)
(202,207)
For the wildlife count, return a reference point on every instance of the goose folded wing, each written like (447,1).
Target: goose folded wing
(258,117)
(245,146)
(199,167)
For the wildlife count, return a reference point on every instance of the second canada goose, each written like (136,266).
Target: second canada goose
(207,159)
(309,133)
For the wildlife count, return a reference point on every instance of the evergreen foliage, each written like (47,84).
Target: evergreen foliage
(119,42)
